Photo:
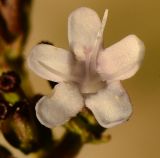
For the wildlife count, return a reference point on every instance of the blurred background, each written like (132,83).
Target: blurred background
(140,137)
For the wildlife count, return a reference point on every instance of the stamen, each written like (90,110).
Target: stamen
(92,56)
(99,39)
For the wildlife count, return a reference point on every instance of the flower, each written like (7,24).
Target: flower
(88,75)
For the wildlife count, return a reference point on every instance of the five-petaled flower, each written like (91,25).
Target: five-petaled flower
(88,75)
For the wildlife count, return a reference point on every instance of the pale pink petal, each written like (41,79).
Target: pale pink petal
(110,106)
(51,63)
(64,103)
(121,60)
(83,27)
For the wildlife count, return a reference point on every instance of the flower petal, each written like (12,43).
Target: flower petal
(65,102)
(51,63)
(110,106)
(83,26)
(121,60)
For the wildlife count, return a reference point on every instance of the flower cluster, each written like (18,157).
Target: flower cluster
(88,75)
(9,82)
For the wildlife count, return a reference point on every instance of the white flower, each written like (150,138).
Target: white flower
(88,75)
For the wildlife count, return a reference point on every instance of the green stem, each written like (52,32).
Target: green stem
(69,147)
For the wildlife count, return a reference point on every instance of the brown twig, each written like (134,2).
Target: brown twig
(14,18)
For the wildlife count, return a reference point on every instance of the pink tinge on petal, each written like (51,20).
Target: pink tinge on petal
(110,106)
(121,60)
(83,26)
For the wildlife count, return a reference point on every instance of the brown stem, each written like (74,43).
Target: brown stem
(14,28)
(14,18)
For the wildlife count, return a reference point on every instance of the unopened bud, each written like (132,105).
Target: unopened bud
(9,81)
(22,131)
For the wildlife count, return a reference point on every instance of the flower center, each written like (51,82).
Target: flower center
(88,82)
(91,85)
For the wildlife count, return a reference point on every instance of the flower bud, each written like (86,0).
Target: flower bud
(22,131)
(9,81)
